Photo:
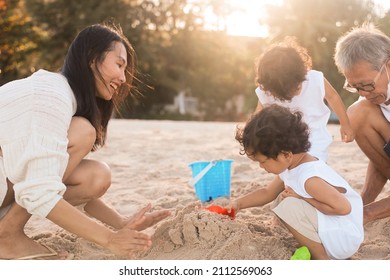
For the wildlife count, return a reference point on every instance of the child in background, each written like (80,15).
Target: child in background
(285,78)
(317,205)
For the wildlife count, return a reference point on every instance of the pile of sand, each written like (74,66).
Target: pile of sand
(200,234)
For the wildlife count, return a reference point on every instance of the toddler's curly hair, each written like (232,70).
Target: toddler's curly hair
(282,68)
(273,130)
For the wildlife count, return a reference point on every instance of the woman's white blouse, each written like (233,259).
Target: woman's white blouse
(35,114)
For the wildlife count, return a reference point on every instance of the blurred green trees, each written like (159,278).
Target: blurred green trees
(175,51)
(18,40)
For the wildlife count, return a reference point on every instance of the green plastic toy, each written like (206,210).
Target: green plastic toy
(302,253)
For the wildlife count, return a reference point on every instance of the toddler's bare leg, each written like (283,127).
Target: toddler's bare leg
(316,249)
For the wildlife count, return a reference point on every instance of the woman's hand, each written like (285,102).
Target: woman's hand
(127,241)
(142,220)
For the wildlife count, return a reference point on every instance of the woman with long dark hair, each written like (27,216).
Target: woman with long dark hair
(49,122)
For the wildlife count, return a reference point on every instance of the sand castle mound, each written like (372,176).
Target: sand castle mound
(200,234)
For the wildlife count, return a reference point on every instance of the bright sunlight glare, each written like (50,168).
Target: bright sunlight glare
(244,20)
(383,6)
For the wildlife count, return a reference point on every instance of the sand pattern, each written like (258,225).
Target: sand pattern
(149,162)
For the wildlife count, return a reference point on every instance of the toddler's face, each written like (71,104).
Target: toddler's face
(271,165)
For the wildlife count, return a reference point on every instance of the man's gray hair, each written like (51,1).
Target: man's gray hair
(365,43)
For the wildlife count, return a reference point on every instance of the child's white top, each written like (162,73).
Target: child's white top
(340,235)
(386,111)
(315,112)
(35,114)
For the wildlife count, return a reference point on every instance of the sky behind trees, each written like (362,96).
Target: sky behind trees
(176,49)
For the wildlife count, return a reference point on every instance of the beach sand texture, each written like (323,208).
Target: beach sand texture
(149,162)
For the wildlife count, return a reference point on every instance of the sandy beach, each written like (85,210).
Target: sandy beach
(149,162)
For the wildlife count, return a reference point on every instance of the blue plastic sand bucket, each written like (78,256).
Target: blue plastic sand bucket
(211,179)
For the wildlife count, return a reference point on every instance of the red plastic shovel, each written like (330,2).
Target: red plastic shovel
(222,211)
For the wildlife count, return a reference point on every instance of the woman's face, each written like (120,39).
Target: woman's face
(112,71)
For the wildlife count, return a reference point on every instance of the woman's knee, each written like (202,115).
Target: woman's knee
(81,132)
(101,179)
